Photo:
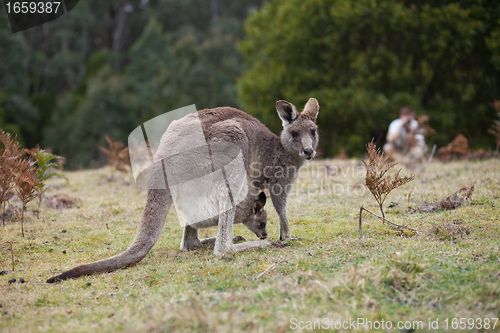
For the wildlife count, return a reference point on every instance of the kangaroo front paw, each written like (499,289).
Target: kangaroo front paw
(284,238)
(277,244)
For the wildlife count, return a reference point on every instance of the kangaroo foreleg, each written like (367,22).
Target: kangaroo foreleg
(279,203)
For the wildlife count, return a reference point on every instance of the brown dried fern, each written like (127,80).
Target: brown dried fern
(9,154)
(453,201)
(10,145)
(116,156)
(376,180)
(27,184)
(380,185)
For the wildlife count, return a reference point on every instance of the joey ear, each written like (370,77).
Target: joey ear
(258,204)
(286,111)
(262,198)
(311,109)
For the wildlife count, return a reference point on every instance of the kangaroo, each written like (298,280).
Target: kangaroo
(271,162)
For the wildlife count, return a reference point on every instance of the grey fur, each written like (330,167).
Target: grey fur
(272,162)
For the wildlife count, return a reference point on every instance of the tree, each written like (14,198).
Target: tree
(16,109)
(150,61)
(104,109)
(147,57)
(365,59)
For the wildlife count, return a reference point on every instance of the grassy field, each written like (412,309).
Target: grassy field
(330,278)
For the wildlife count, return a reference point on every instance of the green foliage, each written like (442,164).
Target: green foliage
(149,64)
(16,110)
(364,60)
(165,71)
(108,66)
(45,163)
(83,119)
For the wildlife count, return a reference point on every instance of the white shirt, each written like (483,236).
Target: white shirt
(397,126)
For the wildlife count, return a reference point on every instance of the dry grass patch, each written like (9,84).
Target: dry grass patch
(451,270)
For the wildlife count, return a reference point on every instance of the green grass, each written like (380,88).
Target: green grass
(330,274)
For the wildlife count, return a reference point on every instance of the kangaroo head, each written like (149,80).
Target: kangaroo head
(300,132)
(257,220)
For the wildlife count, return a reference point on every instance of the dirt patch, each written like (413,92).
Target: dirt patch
(62,200)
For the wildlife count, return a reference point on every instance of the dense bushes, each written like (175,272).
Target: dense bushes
(365,59)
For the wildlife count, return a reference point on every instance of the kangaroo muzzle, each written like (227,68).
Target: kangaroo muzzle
(308,153)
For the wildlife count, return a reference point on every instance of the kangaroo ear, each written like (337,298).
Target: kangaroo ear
(286,111)
(258,204)
(311,109)
(262,198)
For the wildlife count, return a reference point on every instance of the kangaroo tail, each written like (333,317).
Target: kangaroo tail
(150,229)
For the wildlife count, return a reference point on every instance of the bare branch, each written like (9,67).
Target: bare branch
(393,225)
(270,267)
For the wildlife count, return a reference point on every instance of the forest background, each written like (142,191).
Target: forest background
(107,66)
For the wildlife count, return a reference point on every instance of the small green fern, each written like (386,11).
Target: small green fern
(45,163)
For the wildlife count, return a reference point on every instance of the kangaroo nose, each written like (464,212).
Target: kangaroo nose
(264,236)
(308,151)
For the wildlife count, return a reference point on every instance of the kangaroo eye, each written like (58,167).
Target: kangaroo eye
(313,132)
(262,225)
(295,134)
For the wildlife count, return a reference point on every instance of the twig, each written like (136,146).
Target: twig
(360,216)
(269,268)
(11,253)
(409,196)
(432,154)
(397,226)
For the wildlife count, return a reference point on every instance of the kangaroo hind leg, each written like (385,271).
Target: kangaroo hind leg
(190,240)
(224,239)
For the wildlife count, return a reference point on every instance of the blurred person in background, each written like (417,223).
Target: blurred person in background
(404,136)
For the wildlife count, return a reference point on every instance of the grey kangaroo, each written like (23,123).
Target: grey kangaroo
(271,162)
